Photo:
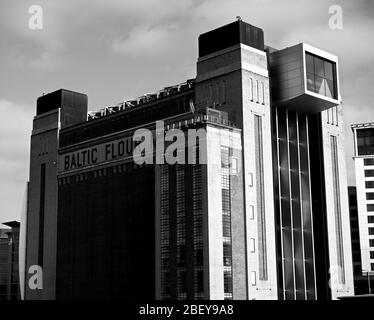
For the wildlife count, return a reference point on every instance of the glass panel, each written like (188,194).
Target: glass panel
(369,162)
(309,63)
(365,141)
(318,67)
(320,87)
(329,85)
(310,82)
(329,70)
(369,184)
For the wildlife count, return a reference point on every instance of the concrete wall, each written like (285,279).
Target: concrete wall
(332,124)
(240,68)
(44,142)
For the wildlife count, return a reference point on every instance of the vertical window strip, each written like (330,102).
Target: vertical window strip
(165,225)
(181,232)
(301,202)
(41,215)
(226,223)
(261,223)
(197,233)
(251,89)
(280,203)
(337,207)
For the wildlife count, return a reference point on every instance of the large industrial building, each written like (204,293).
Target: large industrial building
(264,216)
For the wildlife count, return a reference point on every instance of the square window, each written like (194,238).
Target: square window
(369,173)
(369,162)
(370,196)
(369,184)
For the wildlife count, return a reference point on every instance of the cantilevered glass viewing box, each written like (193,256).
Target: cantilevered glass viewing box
(305,78)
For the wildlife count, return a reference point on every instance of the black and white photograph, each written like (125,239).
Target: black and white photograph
(187,155)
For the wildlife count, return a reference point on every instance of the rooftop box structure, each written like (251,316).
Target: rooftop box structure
(230,35)
(73,106)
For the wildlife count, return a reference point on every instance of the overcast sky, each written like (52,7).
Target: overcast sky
(112,50)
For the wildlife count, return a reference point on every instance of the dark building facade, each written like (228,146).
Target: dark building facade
(9,271)
(264,216)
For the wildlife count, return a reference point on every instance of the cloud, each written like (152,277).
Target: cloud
(142,40)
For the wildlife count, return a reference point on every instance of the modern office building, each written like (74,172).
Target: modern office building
(364,170)
(261,212)
(9,275)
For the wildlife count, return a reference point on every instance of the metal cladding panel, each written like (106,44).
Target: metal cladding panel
(230,35)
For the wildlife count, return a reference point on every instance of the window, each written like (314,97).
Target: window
(251,89)
(255,91)
(226,226)
(321,76)
(227,277)
(250,179)
(370,219)
(252,247)
(369,173)
(371,243)
(251,212)
(227,256)
(225,200)
(261,223)
(369,162)
(370,207)
(369,184)
(365,141)
(370,196)
(371,231)
(337,205)
(371,254)
(234,166)
(253,278)
(372,266)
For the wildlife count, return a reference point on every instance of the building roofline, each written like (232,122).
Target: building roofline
(362,125)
